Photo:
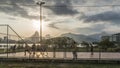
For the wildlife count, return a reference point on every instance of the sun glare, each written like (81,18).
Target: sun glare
(36,25)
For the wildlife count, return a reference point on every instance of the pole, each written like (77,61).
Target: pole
(99,53)
(40,4)
(41,24)
(7,40)
(54,53)
(65,52)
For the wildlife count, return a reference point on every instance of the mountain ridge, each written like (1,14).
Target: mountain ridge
(81,37)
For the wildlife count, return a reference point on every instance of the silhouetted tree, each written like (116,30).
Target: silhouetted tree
(105,44)
(86,45)
(60,42)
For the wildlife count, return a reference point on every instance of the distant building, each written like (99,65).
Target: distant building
(112,38)
(105,37)
(115,38)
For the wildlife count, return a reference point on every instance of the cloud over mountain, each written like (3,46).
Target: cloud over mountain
(108,16)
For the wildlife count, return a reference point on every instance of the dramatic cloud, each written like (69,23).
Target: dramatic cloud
(17,1)
(17,7)
(52,25)
(13,7)
(89,30)
(63,7)
(63,14)
(109,16)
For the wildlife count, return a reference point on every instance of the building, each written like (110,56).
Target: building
(115,38)
(112,38)
(105,37)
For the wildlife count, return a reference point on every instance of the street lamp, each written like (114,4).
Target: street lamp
(40,3)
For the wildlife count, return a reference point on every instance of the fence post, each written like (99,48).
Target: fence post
(65,52)
(99,53)
(54,53)
(7,39)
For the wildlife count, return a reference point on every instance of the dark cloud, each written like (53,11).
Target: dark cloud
(93,29)
(22,2)
(63,7)
(52,25)
(109,16)
(15,9)
(79,2)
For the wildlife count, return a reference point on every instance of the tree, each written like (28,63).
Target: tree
(105,44)
(86,45)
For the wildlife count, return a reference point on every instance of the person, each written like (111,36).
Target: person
(14,48)
(54,49)
(75,55)
(27,49)
(33,49)
(91,50)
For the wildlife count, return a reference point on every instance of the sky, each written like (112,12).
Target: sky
(61,16)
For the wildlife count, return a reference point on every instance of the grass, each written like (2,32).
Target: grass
(56,65)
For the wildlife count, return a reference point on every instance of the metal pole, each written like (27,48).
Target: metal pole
(65,52)
(40,4)
(7,40)
(99,53)
(54,53)
(41,24)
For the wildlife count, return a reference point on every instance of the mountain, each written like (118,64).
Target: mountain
(79,37)
(36,34)
(34,38)
(98,35)
(89,38)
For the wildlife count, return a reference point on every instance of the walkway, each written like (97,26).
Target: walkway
(61,55)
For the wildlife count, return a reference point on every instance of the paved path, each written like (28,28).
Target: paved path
(59,55)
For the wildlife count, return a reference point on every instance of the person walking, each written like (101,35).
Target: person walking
(74,54)
(27,49)
(14,49)
(91,50)
(34,49)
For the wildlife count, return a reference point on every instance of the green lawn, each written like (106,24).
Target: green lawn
(51,65)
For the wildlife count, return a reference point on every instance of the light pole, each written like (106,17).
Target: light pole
(40,3)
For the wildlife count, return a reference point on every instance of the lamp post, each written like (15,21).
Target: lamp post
(40,3)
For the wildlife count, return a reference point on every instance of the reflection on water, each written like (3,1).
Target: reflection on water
(62,54)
